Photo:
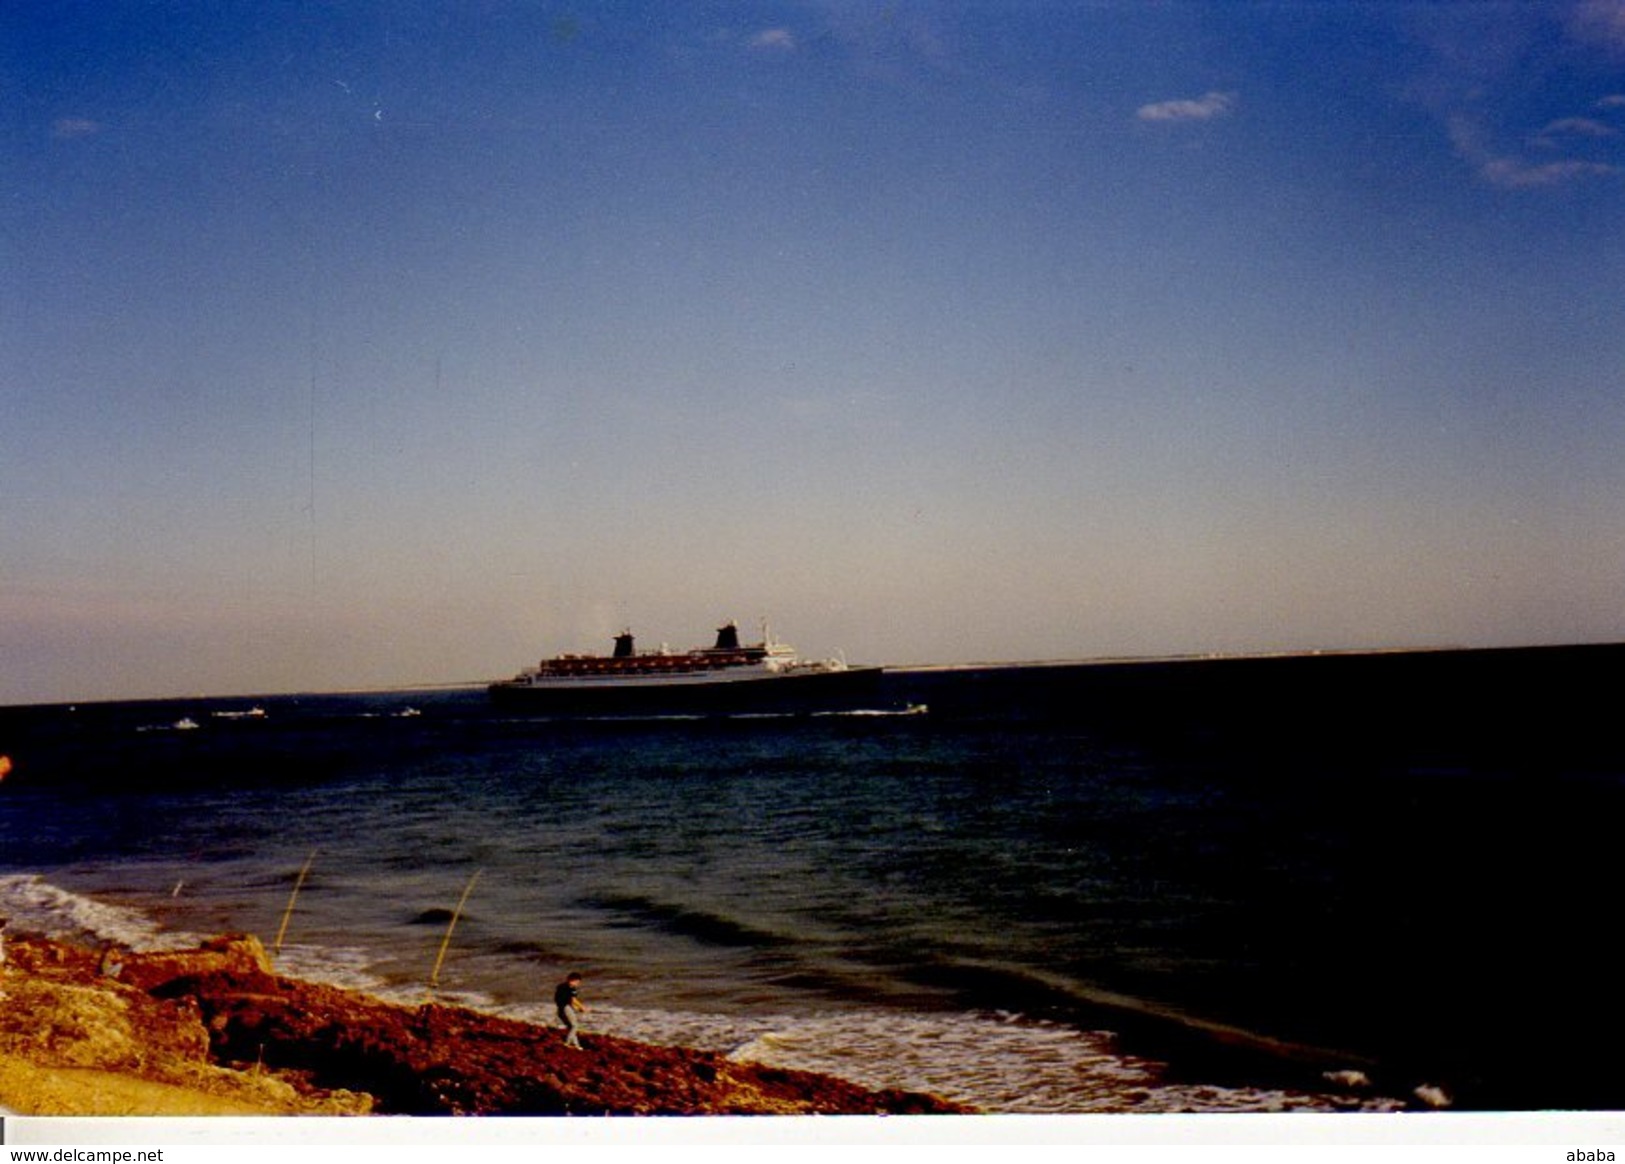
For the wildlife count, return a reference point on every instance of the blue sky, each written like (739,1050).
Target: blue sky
(406,342)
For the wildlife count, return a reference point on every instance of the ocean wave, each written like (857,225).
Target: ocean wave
(710,928)
(996,1061)
(34,905)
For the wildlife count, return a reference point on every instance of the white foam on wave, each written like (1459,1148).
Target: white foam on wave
(998,1063)
(874,712)
(1003,1063)
(706,1032)
(348,967)
(34,905)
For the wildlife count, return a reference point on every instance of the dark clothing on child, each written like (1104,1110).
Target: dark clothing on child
(565,998)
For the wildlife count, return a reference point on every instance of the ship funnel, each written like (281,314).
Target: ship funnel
(623,645)
(727,638)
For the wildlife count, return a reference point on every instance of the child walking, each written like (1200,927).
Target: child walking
(567,997)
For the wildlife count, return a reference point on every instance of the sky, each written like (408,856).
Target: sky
(408,342)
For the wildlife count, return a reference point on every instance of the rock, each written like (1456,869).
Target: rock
(74,1041)
(239,954)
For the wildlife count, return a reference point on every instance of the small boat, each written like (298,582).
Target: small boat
(727,678)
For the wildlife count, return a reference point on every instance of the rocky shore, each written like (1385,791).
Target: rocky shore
(215,1031)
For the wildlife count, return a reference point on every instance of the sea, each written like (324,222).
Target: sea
(1340,882)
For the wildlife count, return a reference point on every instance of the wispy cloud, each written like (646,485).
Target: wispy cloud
(1600,22)
(1490,68)
(64,128)
(1511,172)
(1517,174)
(1578,127)
(1204,108)
(1561,133)
(777,40)
(902,44)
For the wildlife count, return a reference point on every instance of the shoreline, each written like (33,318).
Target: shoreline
(216,1031)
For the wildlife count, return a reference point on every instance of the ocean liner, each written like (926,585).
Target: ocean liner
(729,678)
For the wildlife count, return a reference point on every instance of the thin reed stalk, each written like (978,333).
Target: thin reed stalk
(434,975)
(282,930)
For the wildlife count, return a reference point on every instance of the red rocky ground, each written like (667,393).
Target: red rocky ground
(222,1006)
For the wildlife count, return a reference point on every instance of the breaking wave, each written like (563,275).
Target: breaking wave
(995,1061)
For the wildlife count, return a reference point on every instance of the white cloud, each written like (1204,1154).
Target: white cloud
(774,40)
(70,127)
(1578,127)
(1517,174)
(1566,130)
(1483,63)
(1205,108)
(1511,172)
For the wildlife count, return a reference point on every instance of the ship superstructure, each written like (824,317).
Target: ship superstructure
(729,676)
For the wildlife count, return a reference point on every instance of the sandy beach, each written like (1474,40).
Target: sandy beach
(215,1031)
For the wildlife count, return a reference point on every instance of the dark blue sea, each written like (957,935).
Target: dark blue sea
(1321,883)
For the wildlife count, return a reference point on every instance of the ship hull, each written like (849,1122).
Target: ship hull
(854,689)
